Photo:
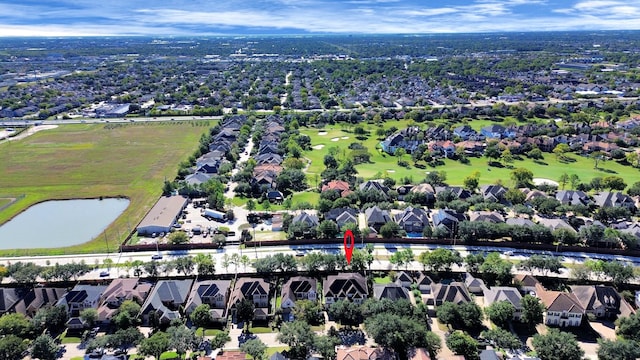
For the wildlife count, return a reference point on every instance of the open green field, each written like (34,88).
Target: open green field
(383,164)
(94,160)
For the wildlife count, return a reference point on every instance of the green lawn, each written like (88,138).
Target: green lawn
(4,202)
(93,160)
(272,350)
(260,330)
(382,164)
(382,280)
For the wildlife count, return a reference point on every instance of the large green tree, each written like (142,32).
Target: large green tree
(532,310)
(12,347)
(299,337)
(44,348)
(500,312)
(557,345)
(255,348)
(154,345)
(463,344)
(620,349)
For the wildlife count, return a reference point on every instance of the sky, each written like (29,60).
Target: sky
(233,17)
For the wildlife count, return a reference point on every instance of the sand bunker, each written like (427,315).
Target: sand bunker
(335,139)
(318,147)
(391,171)
(540,181)
(344,137)
(321,133)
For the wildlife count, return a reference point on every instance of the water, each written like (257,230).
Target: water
(60,223)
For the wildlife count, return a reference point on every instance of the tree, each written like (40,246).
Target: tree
(12,347)
(448,313)
(522,177)
(535,154)
(398,333)
(463,344)
(402,257)
(326,345)
(205,264)
(251,205)
(390,230)
(52,318)
(220,339)
(502,338)
(574,180)
(346,312)
(299,336)
(613,182)
(200,316)
(184,264)
(328,229)
(255,348)
(474,261)
(440,259)
(557,345)
(597,156)
(563,180)
(308,311)
(542,263)
(178,237)
(629,327)
(492,151)
(501,312)
(433,344)
(532,311)
(154,345)
(560,150)
(618,350)
(496,270)
(470,315)
(515,196)
(16,324)
(471,182)
(44,348)
(127,314)
(89,315)
(244,311)
(182,339)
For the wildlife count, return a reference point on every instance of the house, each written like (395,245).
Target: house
(9,297)
(519,221)
(425,283)
(404,279)
(117,292)
(472,148)
(455,292)
(573,197)
(426,190)
(254,290)
(563,309)
(448,219)
(473,284)
(555,224)
(390,291)
(346,218)
(214,293)
(602,301)
(493,193)
(36,299)
(614,199)
(342,187)
(457,191)
(79,298)
(531,195)
(527,283)
(165,300)
(489,354)
(496,131)
(345,286)
(412,220)
(371,185)
(345,215)
(359,352)
(376,217)
(465,132)
(487,216)
(307,221)
(297,288)
(197,178)
(504,293)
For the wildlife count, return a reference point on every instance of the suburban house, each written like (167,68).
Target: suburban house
(308,221)
(563,308)
(454,292)
(342,216)
(297,288)
(493,193)
(573,197)
(254,290)
(390,291)
(496,131)
(519,221)
(555,224)
(487,216)
(404,279)
(345,286)
(412,220)
(10,297)
(425,283)
(602,301)
(504,293)
(36,299)
(214,293)
(79,298)
(342,187)
(448,219)
(164,301)
(614,199)
(426,190)
(359,352)
(474,285)
(377,186)
(526,283)
(465,132)
(117,292)
(376,217)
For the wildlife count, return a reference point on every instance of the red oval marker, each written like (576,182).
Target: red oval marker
(348,250)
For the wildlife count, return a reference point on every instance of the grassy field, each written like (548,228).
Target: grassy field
(383,164)
(93,160)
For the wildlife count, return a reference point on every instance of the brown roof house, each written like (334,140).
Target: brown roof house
(342,187)
(214,293)
(38,298)
(79,298)
(117,292)
(359,352)
(9,297)
(297,288)
(563,308)
(345,286)
(602,301)
(527,283)
(455,292)
(255,290)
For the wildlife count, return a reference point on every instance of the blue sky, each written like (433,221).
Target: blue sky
(213,17)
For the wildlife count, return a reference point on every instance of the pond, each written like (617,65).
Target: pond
(60,223)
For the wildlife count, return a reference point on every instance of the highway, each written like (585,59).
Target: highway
(381,254)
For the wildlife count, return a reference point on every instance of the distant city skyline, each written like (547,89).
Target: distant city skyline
(237,17)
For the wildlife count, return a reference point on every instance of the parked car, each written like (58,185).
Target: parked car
(104,273)
(156,256)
